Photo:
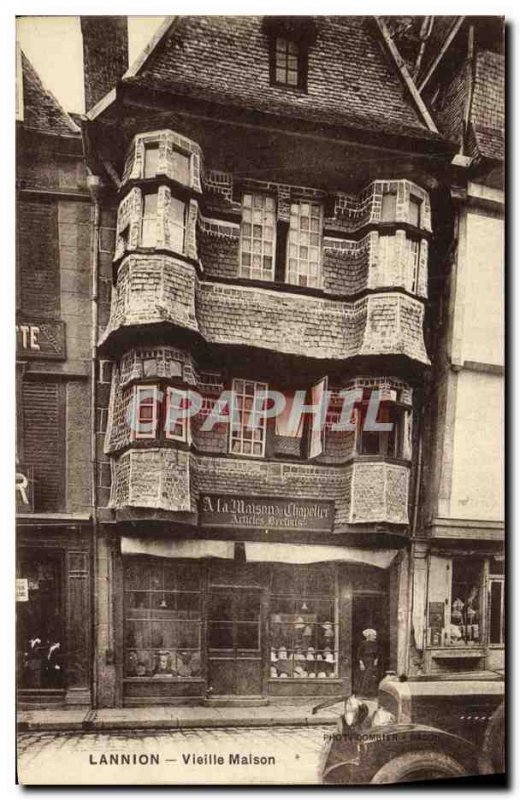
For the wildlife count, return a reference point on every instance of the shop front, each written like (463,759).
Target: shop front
(245,621)
(459,611)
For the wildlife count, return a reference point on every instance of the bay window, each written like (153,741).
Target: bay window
(257,237)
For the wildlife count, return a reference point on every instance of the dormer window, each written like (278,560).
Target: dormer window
(290,40)
(287,62)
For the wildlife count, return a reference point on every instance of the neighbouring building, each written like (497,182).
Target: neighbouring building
(459,598)
(270,190)
(53,367)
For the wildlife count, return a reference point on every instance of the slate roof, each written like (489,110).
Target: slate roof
(488,105)
(352,80)
(41,109)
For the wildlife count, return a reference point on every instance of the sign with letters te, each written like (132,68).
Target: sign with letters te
(43,339)
(267,513)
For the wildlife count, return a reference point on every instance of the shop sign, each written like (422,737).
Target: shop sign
(24,488)
(22,590)
(267,513)
(40,339)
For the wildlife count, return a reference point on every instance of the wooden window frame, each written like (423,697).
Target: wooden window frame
(302,59)
(236,409)
(184,436)
(247,270)
(294,240)
(155,405)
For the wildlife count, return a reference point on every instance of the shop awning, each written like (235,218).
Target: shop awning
(176,548)
(310,554)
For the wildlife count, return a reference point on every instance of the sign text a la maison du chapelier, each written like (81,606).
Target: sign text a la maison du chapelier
(268,513)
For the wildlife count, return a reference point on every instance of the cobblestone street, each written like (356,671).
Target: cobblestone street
(286,755)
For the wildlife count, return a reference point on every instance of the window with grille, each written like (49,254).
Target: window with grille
(248,423)
(149,225)
(287,62)
(257,237)
(177,424)
(146,412)
(304,244)
(162,619)
(177,224)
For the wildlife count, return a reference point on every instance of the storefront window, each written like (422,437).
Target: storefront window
(455,602)
(303,623)
(162,620)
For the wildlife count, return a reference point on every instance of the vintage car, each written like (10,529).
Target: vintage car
(423,728)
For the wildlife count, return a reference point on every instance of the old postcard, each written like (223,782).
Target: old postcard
(260,378)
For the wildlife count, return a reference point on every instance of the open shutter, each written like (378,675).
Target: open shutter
(317,429)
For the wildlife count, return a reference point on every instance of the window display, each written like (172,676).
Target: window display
(455,618)
(303,623)
(162,620)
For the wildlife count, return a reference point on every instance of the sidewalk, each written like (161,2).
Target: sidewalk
(173,718)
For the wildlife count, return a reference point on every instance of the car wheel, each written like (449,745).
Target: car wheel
(418,766)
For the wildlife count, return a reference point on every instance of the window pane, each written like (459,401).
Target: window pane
(389,206)
(151,160)
(414,211)
(248,415)
(262,244)
(302,262)
(181,167)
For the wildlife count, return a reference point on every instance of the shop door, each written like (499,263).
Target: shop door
(39,623)
(369,612)
(234,641)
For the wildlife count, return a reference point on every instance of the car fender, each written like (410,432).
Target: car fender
(365,750)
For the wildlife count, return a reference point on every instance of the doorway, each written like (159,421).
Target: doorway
(369,611)
(234,641)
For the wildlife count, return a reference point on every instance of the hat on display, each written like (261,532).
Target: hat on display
(369,633)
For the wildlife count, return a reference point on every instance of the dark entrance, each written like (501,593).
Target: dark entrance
(234,641)
(369,611)
(39,623)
